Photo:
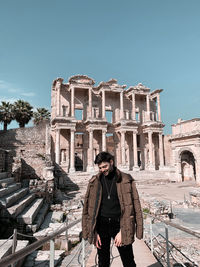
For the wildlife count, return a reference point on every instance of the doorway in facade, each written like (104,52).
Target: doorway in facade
(188,168)
(78,152)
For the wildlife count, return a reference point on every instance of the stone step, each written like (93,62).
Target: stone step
(7,181)
(41,258)
(6,249)
(21,204)
(39,219)
(3,175)
(7,190)
(28,214)
(8,200)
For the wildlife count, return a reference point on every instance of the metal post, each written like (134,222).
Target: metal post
(184,198)
(66,235)
(14,244)
(167,245)
(151,235)
(52,253)
(83,252)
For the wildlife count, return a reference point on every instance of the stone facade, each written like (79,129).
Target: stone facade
(126,122)
(185,146)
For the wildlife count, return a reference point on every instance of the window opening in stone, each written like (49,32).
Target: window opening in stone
(137,116)
(109,115)
(110,145)
(79,114)
(64,108)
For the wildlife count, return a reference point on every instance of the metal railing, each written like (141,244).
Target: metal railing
(16,256)
(169,245)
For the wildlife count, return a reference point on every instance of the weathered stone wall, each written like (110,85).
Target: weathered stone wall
(27,144)
(168,151)
(2,160)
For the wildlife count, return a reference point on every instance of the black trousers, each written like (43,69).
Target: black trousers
(108,228)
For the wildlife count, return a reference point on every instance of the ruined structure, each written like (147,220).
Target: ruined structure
(87,119)
(185,145)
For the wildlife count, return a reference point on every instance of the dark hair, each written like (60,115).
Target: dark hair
(103,157)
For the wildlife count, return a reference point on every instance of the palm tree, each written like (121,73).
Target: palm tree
(22,112)
(41,115)
(6,114)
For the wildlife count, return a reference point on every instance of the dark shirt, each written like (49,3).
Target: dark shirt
(109,207)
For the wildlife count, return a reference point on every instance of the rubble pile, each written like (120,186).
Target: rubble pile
(195,197)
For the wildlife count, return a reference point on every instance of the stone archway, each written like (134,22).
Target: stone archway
(188,168)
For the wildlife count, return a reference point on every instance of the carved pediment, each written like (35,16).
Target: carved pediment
(81,79)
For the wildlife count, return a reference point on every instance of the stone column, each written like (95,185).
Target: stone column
(103,105)
(58,99)
(123,151)
(150,150)
(135,150)
(57,150)
(158,107)
(72,148)
(161,150)
(72,101)
(90,103)
(133,106)
(90,167)
(48,139)
(103,140)
(148,108)
(121,106)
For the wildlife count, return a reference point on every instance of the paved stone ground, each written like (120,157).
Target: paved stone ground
(143,256)
(165,191)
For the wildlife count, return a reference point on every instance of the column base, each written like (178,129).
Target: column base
(124,167)
(151,168)
(136,168)
(162,167)
(90,169)
(72,170)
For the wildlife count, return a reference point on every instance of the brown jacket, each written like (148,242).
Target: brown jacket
(131,220)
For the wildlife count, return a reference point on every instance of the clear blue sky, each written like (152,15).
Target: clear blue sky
(155,42)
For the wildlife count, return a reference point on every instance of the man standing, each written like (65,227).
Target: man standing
(112,210)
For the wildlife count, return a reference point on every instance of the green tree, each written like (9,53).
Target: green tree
(22,112)
(6,114)
(40,115)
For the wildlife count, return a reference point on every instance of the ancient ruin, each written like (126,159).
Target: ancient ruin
(129,119)
(185,145)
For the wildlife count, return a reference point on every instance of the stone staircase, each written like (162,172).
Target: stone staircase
(6,248)
(20,204)
(29,214)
